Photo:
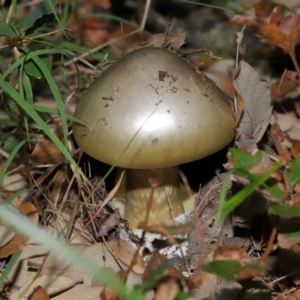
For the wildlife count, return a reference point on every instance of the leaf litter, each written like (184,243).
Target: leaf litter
(240,246)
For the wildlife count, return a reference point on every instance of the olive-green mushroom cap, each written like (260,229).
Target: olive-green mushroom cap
(151,109)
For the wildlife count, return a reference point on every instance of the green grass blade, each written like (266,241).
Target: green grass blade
(56,95)
(10,159)
(34,115)
(70,256)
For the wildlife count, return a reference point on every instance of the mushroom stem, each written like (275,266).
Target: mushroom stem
(155,192)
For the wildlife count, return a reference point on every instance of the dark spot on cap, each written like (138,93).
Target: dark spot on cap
(104,120)
(83,134)
(108,98)
(162,75)
(155,141)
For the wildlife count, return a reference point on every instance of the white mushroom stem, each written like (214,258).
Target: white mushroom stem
(152,196)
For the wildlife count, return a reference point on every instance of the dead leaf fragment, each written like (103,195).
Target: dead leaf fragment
(13,182)
(45,152)
(125,252)
(39,293)
(257,110)
(18,240)
(6,235)
(172,40)
(53,285)
(284,85)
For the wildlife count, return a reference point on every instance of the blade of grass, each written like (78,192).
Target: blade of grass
(20,61)
(53,111)
(12,261)
(56,95)
(34,115)
(70,256)
(10,159)
(206,5)
(227,207)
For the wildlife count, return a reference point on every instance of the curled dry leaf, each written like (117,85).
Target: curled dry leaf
(45,152)
(257,105)
(52,284)
(125,252)
(18,240)
(283,33)
(33,256)
(39,293)
(13,182)
(6,234)
(284,85)
(103,3)
(171,40)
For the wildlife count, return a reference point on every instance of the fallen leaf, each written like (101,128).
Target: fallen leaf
(18,241)
(32,257)
(172,40)
(51,283)
(241,20)
(103,3)
(90,29)
(13,182)
(39,293)
(80,291)
(257,110)
(284,85)
(167,290)
(30,211)
(6,235)
(45,152)
(125,252)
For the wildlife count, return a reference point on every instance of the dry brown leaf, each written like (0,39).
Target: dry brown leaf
(30,211)
(53,285)
(125,252)
(90,29)
(203,285)
(80,291)
(172,40)
(58,184)
(232,253)
(6,235)
(223,81)
(167,290)
(240,20)
(286,243)
(155,260)
(33,255)
(288,123)
(257,110)
(284,85)
(13,182)
(45,152)
(18,240)
(39,293)
(103,3)
(282,31)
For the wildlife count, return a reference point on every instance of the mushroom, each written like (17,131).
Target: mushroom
(149,112)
